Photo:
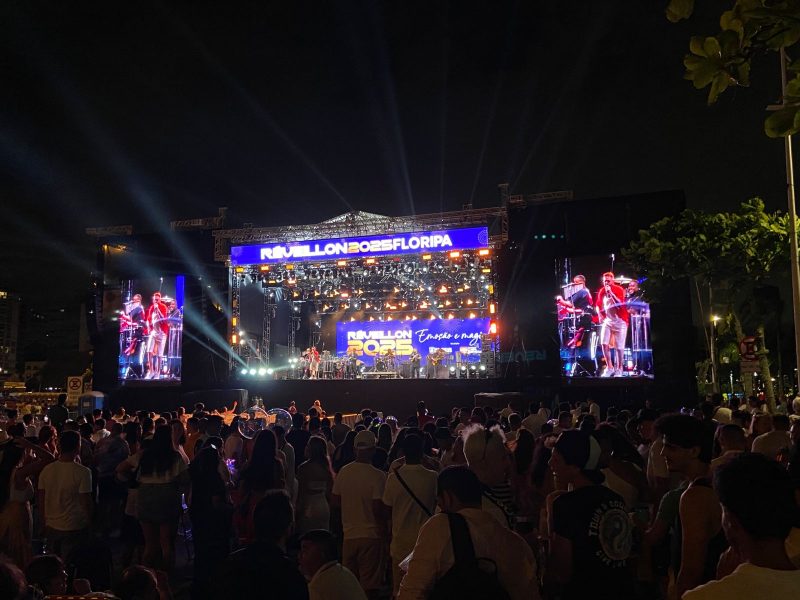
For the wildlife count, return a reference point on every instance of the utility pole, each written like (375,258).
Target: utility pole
(792,223)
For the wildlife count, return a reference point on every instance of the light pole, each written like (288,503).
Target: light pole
(792,223)
(712,345)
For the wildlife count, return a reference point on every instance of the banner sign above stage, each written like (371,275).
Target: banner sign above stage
(469,238)
(373,338)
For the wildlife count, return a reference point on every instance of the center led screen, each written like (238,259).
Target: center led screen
(368,340)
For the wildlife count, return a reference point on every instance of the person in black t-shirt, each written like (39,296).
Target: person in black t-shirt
(591,533)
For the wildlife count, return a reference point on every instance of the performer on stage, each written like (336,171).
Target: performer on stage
(434,360)
(313,362)
(639,312)
(351,370)
(134,320)
(415,360)
(389,360)
(610,306)
(175,323)
(580,304)
(157,330)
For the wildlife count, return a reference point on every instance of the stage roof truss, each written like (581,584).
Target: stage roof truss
(362,224)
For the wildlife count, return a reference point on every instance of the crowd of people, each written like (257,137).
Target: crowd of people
(542,501)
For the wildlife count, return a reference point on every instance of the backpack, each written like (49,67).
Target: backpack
(468,578)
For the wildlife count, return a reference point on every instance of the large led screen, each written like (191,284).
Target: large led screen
(603,320)
(151,329)
(436,341)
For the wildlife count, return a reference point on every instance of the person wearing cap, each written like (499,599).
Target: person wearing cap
(489,458)
(590,531)
(358,490)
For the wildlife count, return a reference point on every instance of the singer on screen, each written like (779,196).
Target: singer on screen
(613,314)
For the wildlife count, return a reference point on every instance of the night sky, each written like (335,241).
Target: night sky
(294,112)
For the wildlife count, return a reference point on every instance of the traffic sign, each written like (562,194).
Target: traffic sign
(748,348)
(74,388)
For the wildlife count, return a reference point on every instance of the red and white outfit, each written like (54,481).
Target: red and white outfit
(613,315)
(156,318)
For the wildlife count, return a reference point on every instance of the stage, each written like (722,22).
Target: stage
(396,397)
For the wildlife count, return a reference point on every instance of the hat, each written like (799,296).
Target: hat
(579,449)
(364,439)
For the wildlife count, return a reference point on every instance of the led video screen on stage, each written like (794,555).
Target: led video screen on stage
(467,238)
(151,329)
(457,339)
(603,320)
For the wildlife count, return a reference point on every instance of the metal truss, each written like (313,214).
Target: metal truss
(360,223)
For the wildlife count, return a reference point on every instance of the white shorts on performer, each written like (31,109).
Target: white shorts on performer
(156,342)
(614,326)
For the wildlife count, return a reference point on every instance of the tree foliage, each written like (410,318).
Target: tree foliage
(749,29)
(728,256)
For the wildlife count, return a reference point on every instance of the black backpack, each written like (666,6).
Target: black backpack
(470,578)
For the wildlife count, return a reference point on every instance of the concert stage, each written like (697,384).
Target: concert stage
(365,297)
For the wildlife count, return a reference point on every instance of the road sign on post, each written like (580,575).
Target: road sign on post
(74,389)
(748,348)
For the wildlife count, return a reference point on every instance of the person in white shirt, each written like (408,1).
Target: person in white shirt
(771,443)
(407,513)
(459,491)
(30,428)
(514,425)
(537,417)
(756,525)
(65,497)
(327,578)
(358,490)
(100,431)
(489,458)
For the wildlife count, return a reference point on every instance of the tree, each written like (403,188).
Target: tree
(727,256)
(749,30)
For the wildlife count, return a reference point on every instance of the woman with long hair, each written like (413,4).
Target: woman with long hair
(16,494)
(315,482)
(521,483)
(384,437)
(345,452)
(162,477)
(179,438)
(263,471)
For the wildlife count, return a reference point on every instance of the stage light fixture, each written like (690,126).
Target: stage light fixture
(483,252)
(455,254)
(264,268)
(483,367)
(426,257)
(443,289)
(252,371)
(262,371)
(492,308)
(289,267)
(472,315)
(270,371)
(234,338)
(341,263)
(493,328)
(451,316)
(234,320)
(244,371)
(370,261)
(240,269)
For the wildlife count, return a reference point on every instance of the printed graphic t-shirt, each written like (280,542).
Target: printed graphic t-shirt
(595,520)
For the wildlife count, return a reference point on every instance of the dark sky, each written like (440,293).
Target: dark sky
(294,112)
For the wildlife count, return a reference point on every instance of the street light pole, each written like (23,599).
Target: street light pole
(792,224)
